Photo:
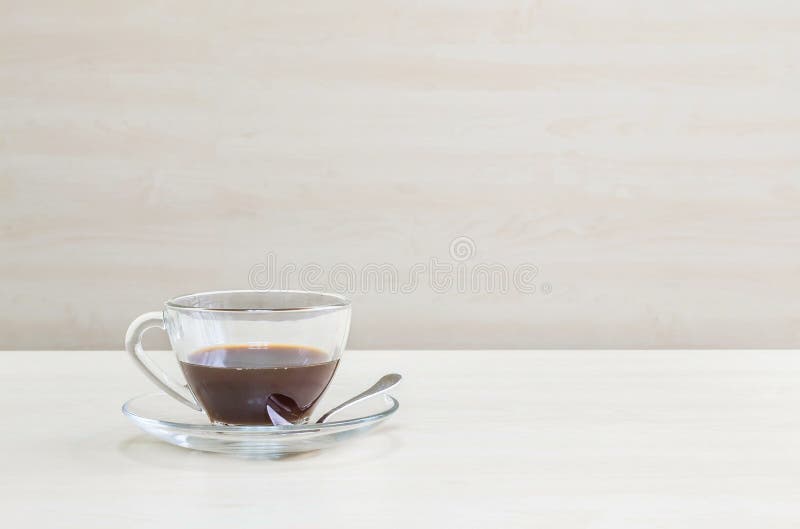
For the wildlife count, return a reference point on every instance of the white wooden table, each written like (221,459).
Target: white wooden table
(551,439)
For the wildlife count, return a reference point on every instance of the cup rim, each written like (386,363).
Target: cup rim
(333,301)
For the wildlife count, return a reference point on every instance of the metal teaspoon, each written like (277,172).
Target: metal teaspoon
(386,382)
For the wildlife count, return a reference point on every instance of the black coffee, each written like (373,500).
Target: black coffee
(234,388)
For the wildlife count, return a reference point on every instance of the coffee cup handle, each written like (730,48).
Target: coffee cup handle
(133,344)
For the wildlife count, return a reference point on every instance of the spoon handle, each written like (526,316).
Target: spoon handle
(386,382)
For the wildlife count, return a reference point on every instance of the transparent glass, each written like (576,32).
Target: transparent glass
(243,318)
(160,416)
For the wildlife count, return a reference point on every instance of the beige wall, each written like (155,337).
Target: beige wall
(643,155)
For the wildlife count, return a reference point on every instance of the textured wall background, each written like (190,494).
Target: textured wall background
(644,156)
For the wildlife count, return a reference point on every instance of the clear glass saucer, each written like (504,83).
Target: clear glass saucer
(163,417)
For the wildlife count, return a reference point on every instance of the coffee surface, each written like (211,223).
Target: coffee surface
(258,384)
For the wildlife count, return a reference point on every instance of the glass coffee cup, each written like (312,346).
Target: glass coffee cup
(250,357)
